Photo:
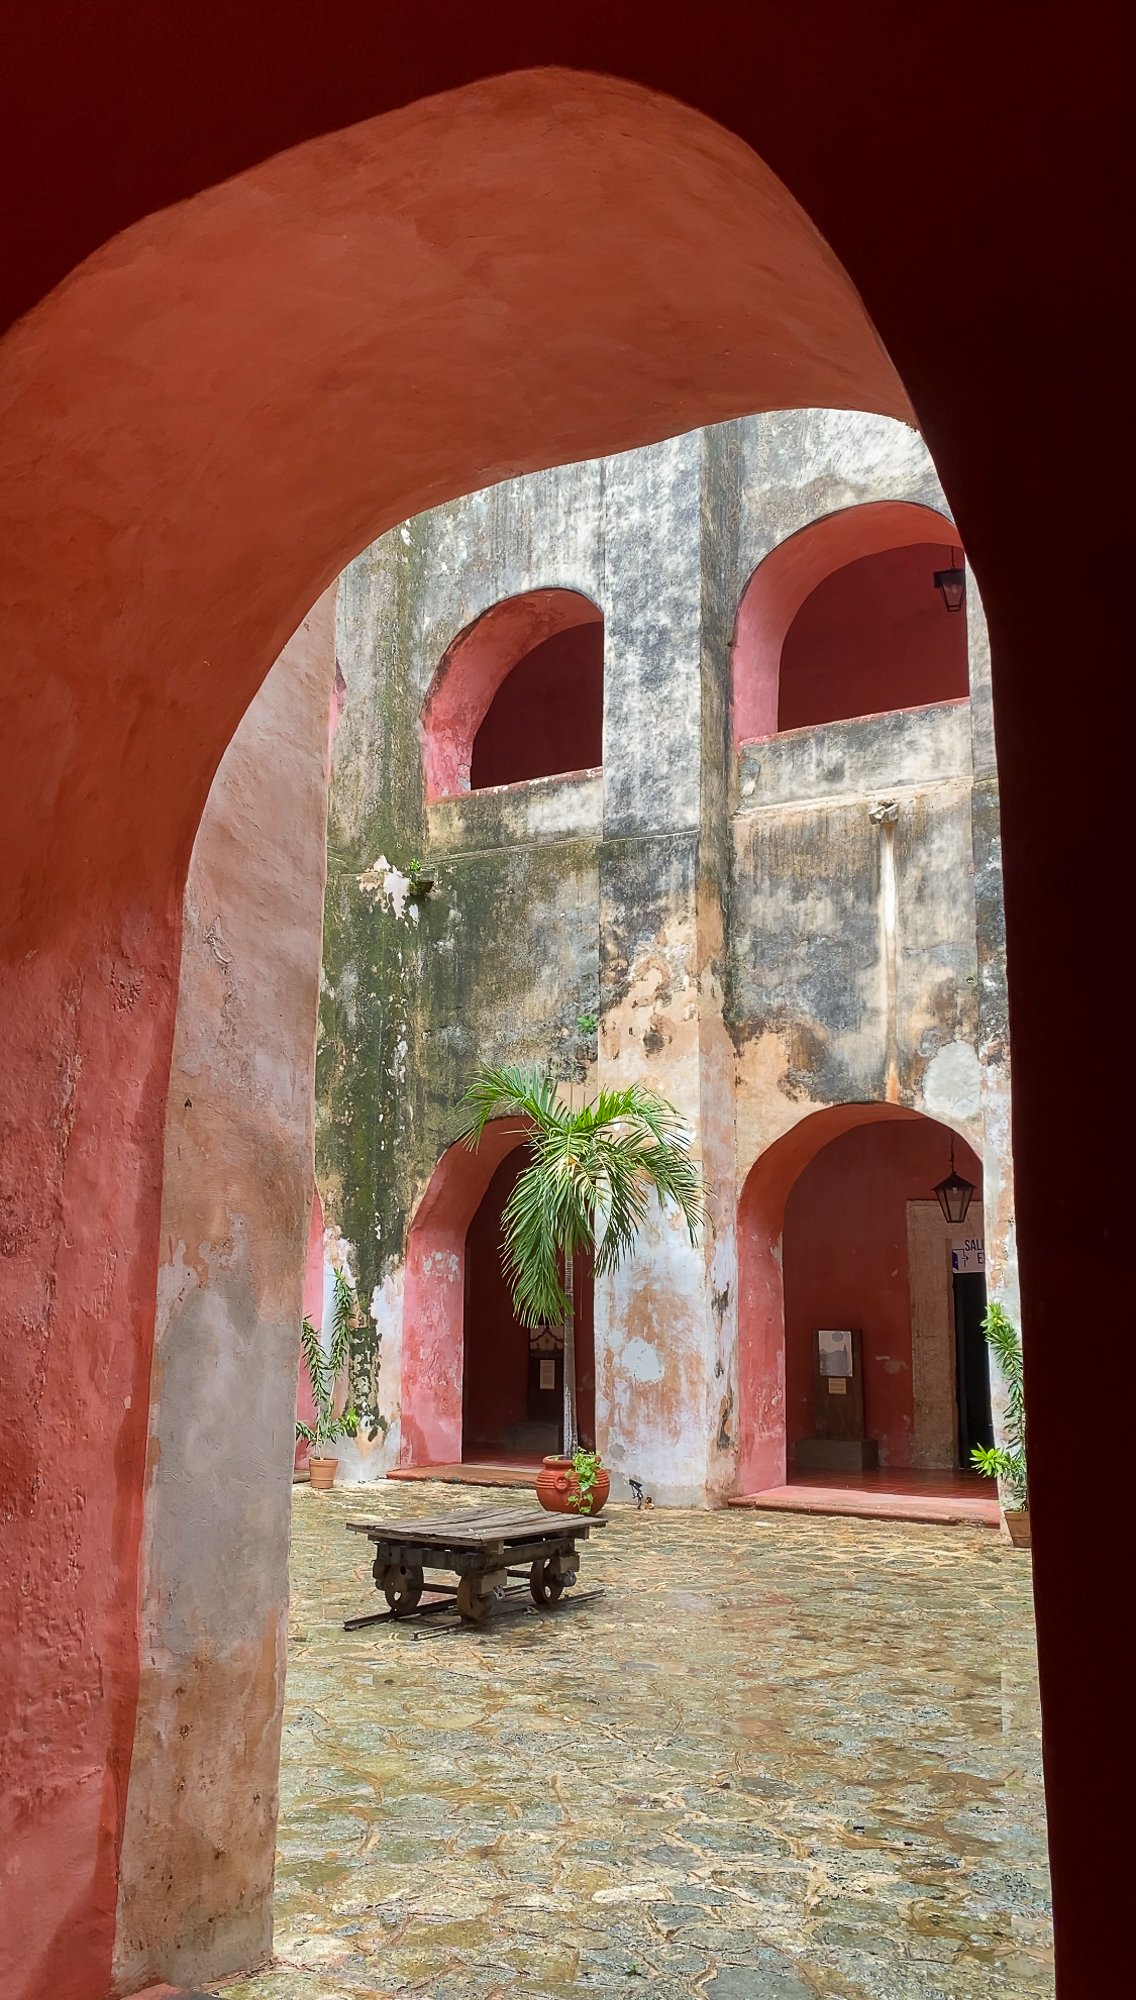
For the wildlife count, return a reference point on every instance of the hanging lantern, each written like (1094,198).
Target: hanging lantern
(951,583)
(954,1195)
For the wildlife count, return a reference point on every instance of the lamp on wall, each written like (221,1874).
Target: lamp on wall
(954,1194)
(951,583)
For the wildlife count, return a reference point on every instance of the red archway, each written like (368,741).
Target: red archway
(787,577)
(476,668)
(179,436)
(433,1296)
(761,1294)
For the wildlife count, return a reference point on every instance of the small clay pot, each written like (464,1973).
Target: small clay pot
(1018,1524)
(557,1487)
(321,1472)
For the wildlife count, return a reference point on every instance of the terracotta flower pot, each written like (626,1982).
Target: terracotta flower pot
(322,1472)
(557,1488)
(1018,1524)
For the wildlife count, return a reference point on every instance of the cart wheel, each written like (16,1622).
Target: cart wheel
(546,1583)
(471,1605)
(402,1588)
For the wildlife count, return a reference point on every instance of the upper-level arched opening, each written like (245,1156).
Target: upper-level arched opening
(846,618)
(518,695)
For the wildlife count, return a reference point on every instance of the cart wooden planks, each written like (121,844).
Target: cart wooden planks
(483,1547)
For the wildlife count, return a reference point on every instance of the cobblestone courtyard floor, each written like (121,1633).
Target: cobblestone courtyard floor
(782,1757)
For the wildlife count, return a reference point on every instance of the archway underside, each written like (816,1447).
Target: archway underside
(196,447)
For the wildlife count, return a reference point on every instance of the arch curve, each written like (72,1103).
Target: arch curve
(761,1294)
(475,667)
(433,1296)
(779,586)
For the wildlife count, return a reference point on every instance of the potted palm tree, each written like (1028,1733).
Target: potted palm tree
(1008,1462)
(324,1370)
(591,1173)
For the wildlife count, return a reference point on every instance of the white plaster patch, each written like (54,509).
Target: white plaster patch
(383,879)
(443,1263)
(641,1361)
(952,1086)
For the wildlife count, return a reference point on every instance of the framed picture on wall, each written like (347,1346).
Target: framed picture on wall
(835,1348)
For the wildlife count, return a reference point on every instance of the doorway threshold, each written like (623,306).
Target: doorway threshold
(498,1472)
(945,1498)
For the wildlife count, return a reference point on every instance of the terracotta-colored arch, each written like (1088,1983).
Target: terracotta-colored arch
(761,1294)
(474,667)
(203,425)
(115,123)
(433,1296)
(790,573)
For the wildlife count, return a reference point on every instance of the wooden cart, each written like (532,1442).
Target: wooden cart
(483,1548)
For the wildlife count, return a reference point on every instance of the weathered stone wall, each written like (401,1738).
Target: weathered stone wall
(762,934)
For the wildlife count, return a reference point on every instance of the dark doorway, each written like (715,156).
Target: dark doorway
(512,1379)
(972,1364)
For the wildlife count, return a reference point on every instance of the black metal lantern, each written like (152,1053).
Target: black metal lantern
(951,583)
(954,1195)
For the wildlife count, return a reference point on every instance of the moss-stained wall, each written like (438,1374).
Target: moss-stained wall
(760,934)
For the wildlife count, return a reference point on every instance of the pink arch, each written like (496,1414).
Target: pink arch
(433,1299)
(473,669)
(790,573)
(761,1291)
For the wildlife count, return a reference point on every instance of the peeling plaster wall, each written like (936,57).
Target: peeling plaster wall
(195,1897)
(754,942)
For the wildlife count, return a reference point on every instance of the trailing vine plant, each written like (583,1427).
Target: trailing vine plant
(585,1465)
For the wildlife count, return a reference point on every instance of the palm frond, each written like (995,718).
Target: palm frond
(344,1313)
(508,1091)
(590,1179)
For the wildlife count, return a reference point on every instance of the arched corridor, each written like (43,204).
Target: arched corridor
(513,1381)
(842,1245)
(875,635)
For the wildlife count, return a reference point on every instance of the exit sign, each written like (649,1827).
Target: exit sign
(968,1253)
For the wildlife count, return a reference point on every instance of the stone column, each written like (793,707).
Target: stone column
(993,1005)
(662,1389)
(195,1896)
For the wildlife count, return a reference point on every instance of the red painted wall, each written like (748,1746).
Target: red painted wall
(845,1264)
(548,715)
(495,1387)
(875,635)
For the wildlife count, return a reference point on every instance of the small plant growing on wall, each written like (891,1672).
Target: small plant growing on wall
(592,1170)
(324,1370)
(1007,1462)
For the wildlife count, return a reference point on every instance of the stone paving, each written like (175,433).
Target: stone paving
(781,1757)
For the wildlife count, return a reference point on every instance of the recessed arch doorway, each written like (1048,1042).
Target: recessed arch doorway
(512,1376)
(839,1232)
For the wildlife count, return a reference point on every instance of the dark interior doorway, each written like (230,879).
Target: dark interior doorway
(513,1378)
(972,1365)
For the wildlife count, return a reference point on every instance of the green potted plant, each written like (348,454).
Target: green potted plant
(324,1370)
(1007,1462)
(591,1172)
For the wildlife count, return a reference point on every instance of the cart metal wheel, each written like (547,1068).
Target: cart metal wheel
(402,1588)
(472,1606)
(546,1581)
